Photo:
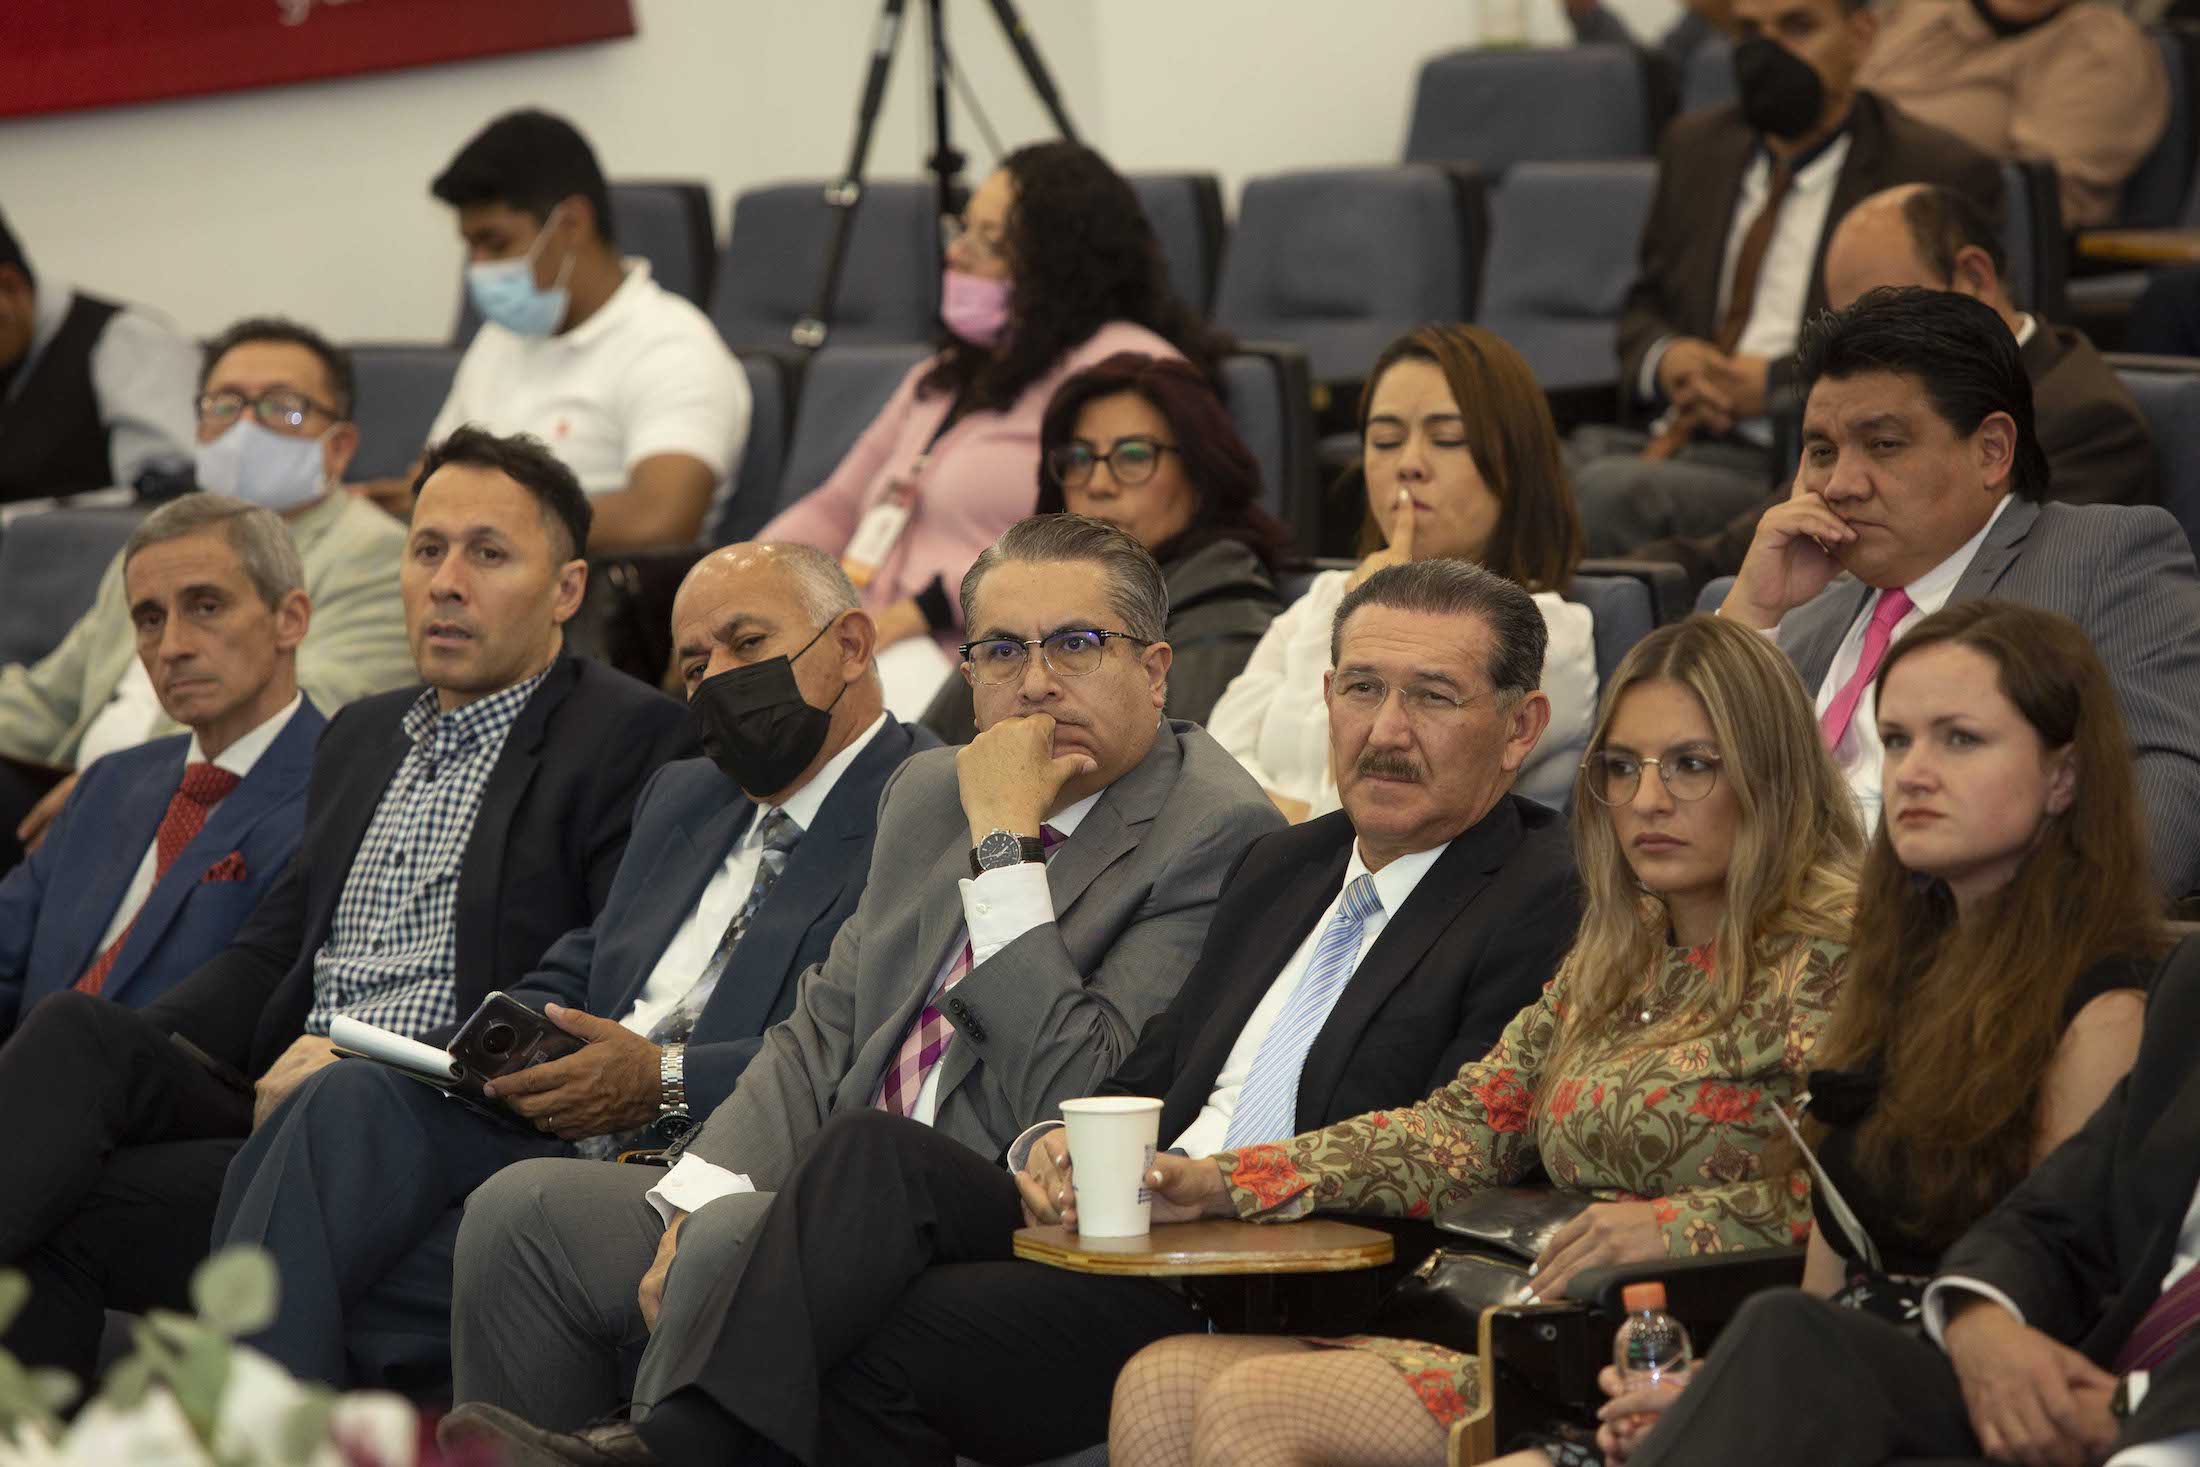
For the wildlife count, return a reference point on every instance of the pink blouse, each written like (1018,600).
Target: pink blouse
(980,478)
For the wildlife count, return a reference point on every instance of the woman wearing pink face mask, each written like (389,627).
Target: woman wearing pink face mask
(1052,267)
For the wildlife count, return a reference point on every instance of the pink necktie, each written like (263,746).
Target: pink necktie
(1893,606)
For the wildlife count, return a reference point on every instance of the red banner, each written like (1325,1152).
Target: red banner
(61,55)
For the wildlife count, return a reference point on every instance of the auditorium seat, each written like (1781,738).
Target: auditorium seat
(843,388)
(774,259)
(756,483)
(2168,391)
(1562,254)
(664,221)
(2036,247)
(1341,261)
(1295,576)
(1269,390)
(398,392)
(1708,78)
(1185,210)
(2165,188)
(1713,594)
(1495,108)
(50,565)
(1622,608)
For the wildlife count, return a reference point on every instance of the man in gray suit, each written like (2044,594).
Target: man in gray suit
(1035,897)
(1921,480)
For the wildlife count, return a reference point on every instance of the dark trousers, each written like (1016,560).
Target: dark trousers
(108,1185)
(355,1185)
(22,785)
(880,1317)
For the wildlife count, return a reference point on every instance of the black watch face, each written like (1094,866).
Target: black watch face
(1000,849)
(674,1127)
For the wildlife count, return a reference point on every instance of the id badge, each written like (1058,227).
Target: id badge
(879,531)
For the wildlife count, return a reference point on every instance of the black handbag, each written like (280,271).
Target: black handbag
(1500,1232)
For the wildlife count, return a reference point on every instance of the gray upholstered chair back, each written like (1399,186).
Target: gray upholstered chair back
(1707,80)
(50,564)
(2161,190)
(843,388)
(754,494)
(2168,391)
(1185,210)
(398,392)
(1495,108)
(1267,387)
(775,256)
(1562,254)
(1621,607)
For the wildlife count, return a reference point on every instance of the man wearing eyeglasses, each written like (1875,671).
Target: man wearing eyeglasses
(1354,963)
(1034,898)
(274,429)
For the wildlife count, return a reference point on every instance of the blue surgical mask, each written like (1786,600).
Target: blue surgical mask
(505,292)
(261,466)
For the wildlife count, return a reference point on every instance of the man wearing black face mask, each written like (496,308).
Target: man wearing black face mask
(1732,263)
(740,870)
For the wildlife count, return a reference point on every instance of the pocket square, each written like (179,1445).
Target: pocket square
(228,868)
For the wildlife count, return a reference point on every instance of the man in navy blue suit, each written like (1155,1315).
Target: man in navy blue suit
(740,869)
(163,850)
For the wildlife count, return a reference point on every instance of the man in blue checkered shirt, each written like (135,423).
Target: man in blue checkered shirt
(453,833)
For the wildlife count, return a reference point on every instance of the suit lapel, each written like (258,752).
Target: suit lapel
(2003,544)
(133,819)
(278,776)
(481,872)
(1445,894)
(1820,626)
(1725,164)
(694,847)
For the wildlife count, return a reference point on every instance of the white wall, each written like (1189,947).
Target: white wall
(312,200)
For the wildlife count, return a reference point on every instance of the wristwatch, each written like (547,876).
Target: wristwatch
(673,1120)
(1005,848)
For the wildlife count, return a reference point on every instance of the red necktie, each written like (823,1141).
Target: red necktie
(202,789)
(2163,1326)
(925,1045)
(1893,606)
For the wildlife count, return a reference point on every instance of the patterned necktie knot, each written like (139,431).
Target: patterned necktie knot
(1049,837)
(205,784)
(779,832)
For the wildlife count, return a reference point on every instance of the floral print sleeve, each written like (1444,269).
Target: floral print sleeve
(1680,1123)
(1473,1133)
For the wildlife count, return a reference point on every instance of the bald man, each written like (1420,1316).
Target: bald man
(741,868)
(2096,440)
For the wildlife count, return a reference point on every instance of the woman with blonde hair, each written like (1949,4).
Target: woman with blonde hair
(1718,850)
(1460,460)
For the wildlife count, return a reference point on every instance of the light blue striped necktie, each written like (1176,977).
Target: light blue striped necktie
(1268,1103)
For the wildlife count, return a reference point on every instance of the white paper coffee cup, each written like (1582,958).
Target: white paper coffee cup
(1111,1146)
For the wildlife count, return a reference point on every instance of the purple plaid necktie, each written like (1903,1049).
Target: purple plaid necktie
(925,1045)
(2163,1327)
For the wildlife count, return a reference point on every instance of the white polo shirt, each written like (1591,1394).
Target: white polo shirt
(646,374)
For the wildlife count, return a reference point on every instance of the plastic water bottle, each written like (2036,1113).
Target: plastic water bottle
(1651,1346)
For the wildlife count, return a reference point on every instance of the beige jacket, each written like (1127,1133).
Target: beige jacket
(355,646)
(2085,91)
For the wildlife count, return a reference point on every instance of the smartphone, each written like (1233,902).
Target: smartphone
(505,1035)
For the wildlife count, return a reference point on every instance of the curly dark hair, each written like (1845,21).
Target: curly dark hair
(1083,254)
(1224,475)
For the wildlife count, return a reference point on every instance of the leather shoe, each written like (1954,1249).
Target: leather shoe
(609,1443)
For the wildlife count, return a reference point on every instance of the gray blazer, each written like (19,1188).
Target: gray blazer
(2125,575)
(1043,1020)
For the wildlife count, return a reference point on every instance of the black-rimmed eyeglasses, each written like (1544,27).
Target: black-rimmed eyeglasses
(1072,653)
(279,408)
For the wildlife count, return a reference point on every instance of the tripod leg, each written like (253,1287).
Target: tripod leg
(847,194)
(946,162)
(1035,66)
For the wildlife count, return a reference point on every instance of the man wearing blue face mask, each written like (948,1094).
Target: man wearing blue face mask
(1732,265)
(741,868)
(275,429)
(627,382)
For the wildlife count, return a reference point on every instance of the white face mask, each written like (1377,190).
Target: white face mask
(261,466)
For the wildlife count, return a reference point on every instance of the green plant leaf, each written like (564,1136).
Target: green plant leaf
(306,1428)
(127,1382)
(56,1388)
(15,1291)
(236,1291)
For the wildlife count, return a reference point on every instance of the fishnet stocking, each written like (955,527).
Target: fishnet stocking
(1215,1401)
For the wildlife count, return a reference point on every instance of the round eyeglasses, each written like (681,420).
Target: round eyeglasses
(1132,461)
(279,408)
(1074,653)
(1687,774)
(954,231)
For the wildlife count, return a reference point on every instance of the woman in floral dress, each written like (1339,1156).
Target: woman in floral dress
(1718,847)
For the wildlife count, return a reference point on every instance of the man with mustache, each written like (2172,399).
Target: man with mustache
(1034,897)
(1355,962)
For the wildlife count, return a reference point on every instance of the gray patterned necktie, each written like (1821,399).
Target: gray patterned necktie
(779,833)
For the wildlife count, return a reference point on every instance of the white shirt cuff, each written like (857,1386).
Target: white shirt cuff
(1019,1150)
(1646,382)
(1935,1304)
(1003,905)
(692,1184)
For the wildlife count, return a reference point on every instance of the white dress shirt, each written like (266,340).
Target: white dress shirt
(2182,1450)
(1783,280)
(144,377)
(1859,753)
(685,957)
(238,759)
(646,374)
(998,907)
(1274,721)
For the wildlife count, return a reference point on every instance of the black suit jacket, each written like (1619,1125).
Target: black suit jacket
(2082,1244)
(688,817)
(1475,943)
(1701,160)
(2098,446)
(545,845)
